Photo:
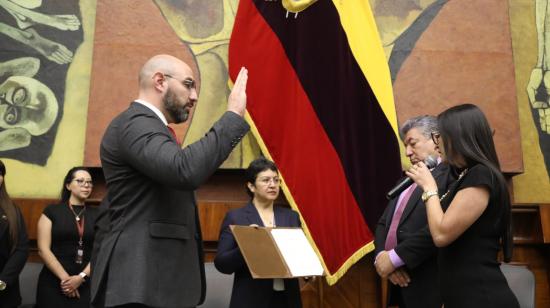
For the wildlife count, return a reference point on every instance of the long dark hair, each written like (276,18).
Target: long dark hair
(69,177)
(256,166)
(9,208)
(466,134)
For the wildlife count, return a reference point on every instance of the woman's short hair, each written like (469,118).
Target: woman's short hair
(256,166)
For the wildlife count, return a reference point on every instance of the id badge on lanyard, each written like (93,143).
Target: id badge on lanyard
(80,249)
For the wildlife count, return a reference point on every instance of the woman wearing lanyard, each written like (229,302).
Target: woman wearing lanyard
(65,237)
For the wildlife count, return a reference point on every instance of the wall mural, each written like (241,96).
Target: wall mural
(403,23)
(531,44)
(205,26)
(400,24)
(39,39)
(538,87)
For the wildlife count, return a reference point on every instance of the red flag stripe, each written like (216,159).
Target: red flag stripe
(293,135)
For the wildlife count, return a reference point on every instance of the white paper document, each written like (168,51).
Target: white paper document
(297,252)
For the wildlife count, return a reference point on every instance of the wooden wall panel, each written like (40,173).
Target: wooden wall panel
(31,210)
(211,215)
(545,221)
(537,259)
(361,286)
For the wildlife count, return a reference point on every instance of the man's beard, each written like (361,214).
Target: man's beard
(170,102)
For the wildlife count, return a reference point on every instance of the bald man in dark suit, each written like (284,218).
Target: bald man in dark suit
(151,253)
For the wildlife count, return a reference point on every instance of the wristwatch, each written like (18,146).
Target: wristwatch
(83,275)
(2,285)
(428,194)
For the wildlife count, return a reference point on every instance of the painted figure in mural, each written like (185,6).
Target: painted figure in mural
(400,24)
(263,186)
(153,236)
(32,88)
(28,107)
(404,249)
(26,18)
(205,26)
(65,236)
(538,87)
(471,220)
(540,75)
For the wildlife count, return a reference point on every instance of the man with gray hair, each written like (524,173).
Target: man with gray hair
(405,252)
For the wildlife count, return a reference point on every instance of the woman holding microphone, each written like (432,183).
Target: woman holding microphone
(471,221)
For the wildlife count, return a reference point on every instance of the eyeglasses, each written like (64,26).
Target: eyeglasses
(435,137)
(267,180)
(188,83)
(82,182)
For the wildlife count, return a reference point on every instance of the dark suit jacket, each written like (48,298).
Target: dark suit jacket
(152,252)
(248,292)
(12,262)
(415,247)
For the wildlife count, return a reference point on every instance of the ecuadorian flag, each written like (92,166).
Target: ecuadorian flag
(321,106)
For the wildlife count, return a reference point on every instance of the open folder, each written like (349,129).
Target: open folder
(277,252)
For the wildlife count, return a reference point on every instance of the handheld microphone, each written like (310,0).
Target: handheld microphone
(430,162)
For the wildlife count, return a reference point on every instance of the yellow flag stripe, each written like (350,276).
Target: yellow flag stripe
(360,27)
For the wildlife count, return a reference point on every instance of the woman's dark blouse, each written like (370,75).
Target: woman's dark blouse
(64,244)
(469,272)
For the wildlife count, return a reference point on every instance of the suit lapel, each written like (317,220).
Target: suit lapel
(411,204)
(140,108)
(252,215)
(281,220)
(392,205)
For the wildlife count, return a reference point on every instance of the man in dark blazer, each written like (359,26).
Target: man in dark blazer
(151,254)
(405,252)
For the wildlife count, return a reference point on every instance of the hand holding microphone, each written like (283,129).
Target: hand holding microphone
(421,175)
(429,163)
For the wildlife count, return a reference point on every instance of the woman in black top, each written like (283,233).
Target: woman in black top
(469,221)
(263,187)
(65,237)
(14,247)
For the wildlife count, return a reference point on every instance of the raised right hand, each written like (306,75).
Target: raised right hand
(237,99)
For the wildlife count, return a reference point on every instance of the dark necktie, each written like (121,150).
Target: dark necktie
(391,239)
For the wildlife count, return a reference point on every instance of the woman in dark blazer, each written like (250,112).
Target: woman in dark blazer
(263,187)
(14,247)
